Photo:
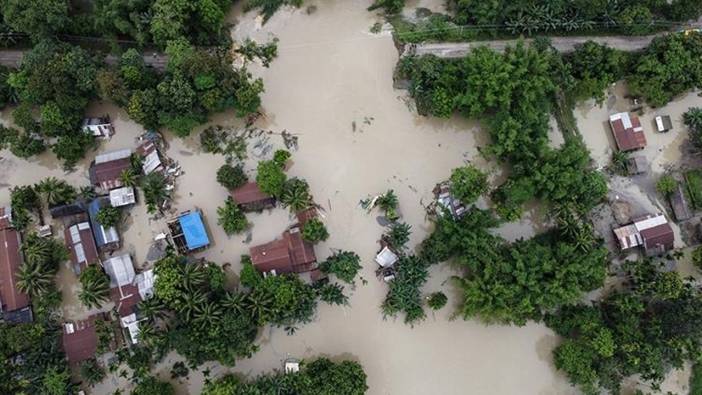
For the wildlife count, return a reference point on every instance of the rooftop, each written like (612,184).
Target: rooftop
(10,260)
(653,232)
(289,254)
(122,196)
(627,131)
(103,236)
(81,244)
(120,270)
(194,230)
(250,193)
(107,168)
(80,340)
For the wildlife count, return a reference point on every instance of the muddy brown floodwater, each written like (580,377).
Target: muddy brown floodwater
(332,86)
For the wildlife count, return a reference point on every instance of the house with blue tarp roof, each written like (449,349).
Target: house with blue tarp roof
(105,238)
(188,232)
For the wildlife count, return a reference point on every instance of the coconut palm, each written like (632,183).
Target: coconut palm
(296,195)
(235,301)
(56,191)
(258,304)
(95,287)
(190,302)
(194,276)
(153,308)
(36,251)
(33,279)
(207,313)
(87,192)
(155,193)
(128,178)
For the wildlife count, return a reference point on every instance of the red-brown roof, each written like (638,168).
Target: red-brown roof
(660,238)
(291,254)
(5,217)
(627,131)
(80,242)
(10,260)
(250,193)
(81,344)
(107,174)
(125,298)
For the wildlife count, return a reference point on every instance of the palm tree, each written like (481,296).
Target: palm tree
(296,195)
(190,302)
(87,192)
(153,308)
(258,304)
(36,251)
(194,276)
(128,178)
(33,279)
(155,193)
(235,301)
(95,287)
(56,191)
(206,313)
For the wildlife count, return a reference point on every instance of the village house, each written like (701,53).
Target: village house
(67,210)
(100,127)
(107,168)
(123,196)
(289,254)
(664,123)
(627,132)
(127,289)
(80,340)
(446,202)
(652,232)
(678,201)
(80,242)
(637,165)
(150,156)
(188,232)
(106,239)
(14,304)
(249,197)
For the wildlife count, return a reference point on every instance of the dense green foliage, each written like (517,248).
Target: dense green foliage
(319,377)
(152,386)
(92,372)
(666,185)
(155,194)
(271,178)
(437,300)
(398,236)
(109,216)
(668,67)
(56,192)
(24,201)
(696,379)
(468,183)
(647,328)
(231,218)
(513,283)
(296,195)
(231,177)
(594,67)
(405,294)
(390,6)
(345,265)
(265,53)
(95,286)
(693,120)
(315,231)
(693,181)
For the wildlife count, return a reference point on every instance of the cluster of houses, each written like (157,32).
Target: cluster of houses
(289,253)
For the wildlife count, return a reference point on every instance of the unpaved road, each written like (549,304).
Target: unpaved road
(13,58)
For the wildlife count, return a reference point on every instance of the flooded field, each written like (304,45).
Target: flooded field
(332,87)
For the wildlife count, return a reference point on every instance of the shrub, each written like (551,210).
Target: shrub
(694,187)
(666,185)
(437,300)
(399,235)
(270,178)
(231,218)
(332,294)
(344,264)
(108,216)
(231,177)
(281,157)
(389,203)
(314,231)
(468,183)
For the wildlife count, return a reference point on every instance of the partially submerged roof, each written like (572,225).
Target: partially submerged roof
(120,270)
(98,126)
(194,230)
(125,298)
(250,193)
(79,340)
(290,254)
(5,217)
(145,283)
(105,172)
(386,257)
(678,201)
(653,232)
(81,244)
(65,210)
(103,235)
(10,260)
(637,165)
(627,131)
(151,158)
(122,196)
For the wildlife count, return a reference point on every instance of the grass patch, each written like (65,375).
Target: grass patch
(696,379)
(693,179)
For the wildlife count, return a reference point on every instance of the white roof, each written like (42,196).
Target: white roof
(122,196)
(131,323)
(624,116)
(113,155)
(151,162)
(120,269)
(110,234)
(386,257)
(145,284)
(76,241)
(650,222)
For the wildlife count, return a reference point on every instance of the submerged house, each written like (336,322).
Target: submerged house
(79,340)
(14,304)
(107,168)
(80,242)
(67,210)
(188,232)
(150,157)
(106,239)
(445,201)
(123,196)
(289,254)
(100,127)
(249,197)
(627,132)
(678,201)
(652,232)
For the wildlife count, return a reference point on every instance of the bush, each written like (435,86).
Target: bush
(231,218)
(108,216)
(437,300)
(468,183)
(249,276)
(92,372)
(271,178)
(694,187)
(314,231)
(666,185)
(231,177)
(332,294)
(344,264)
(281,157)
(389,203)
(399,235)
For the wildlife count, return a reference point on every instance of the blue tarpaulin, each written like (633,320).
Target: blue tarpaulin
(194,230)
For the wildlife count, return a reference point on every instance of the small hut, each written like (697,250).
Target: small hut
(637,165)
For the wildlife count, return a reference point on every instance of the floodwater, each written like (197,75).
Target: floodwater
(332,86)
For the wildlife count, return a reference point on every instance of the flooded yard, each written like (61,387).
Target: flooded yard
(332,86)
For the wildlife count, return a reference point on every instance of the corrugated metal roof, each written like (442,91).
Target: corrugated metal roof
(120,269)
